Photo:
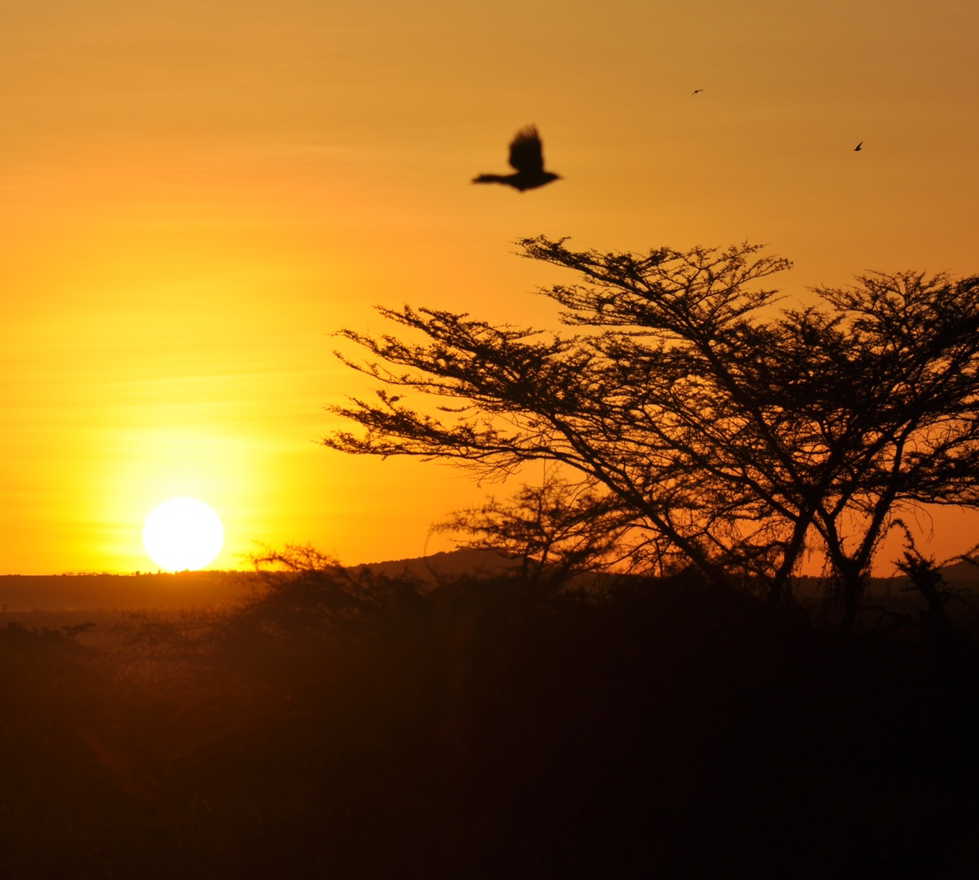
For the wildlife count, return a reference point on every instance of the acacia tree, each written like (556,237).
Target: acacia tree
(734,434)
(556,530)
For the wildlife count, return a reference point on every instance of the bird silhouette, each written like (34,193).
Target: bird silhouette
(858,147)
(696,91)
(527,157)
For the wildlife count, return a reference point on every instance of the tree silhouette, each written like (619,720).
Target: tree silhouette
(735,435)
(556,530)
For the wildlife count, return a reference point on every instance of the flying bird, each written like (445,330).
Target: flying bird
(858,147)
(527,157)
(696,91)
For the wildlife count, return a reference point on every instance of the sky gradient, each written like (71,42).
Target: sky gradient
(194,199)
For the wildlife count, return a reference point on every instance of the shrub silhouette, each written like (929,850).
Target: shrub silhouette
(670,727)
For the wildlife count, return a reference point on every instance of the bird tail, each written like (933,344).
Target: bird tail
(489,178)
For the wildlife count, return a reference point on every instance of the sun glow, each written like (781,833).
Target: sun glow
(183,533)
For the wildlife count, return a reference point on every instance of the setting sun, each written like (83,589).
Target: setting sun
(183,533)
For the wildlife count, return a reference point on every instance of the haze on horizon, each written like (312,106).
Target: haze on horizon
(197,197)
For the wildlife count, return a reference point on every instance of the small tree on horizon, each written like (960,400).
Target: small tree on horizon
(556,530)
(731,435)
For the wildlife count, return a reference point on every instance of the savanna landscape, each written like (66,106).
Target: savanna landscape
(625,668)
(330,722)
(442,440)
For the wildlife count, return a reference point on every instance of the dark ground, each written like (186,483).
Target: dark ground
(668,729)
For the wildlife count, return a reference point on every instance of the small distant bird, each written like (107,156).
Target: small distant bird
(858,147)
(526,155)
(696,91)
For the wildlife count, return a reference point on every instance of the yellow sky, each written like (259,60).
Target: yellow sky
(196,195)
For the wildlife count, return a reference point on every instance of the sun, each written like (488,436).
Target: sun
(182,533)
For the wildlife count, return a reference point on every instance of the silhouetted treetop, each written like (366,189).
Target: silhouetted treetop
(737,434)
(697,291)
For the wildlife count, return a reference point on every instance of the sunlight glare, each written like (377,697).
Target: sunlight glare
(183,533)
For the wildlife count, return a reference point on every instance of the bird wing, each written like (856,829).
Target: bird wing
(526,154)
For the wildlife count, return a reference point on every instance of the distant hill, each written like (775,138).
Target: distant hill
(208,589)
(92,592)
(962,574)
(442,566)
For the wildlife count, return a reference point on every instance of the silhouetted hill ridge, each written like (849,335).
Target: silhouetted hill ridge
(203,589)
(444,565)
(159,591)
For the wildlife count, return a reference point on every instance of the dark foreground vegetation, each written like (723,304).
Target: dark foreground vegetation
(376,729)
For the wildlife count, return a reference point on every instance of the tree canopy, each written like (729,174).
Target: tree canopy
(728,432)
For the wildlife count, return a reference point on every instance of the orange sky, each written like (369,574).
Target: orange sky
(196,195)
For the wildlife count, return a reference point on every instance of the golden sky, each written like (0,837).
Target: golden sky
(196,195)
